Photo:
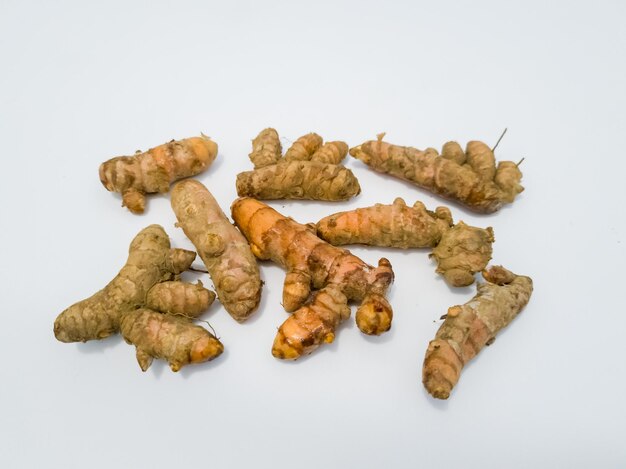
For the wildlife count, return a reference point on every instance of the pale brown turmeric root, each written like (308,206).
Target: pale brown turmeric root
(336,274)
(266,149)
(149,278)
(150,261)
(154,170)
(169,337)
(303,148)
(223,249)
(459,250)
(308,171)
(180,298)
(470,178)
(468,328)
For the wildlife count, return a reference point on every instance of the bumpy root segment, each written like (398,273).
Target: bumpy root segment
(470,178)
(180,298)
(154,170)
(331,153)
(266,149)
(171,338)
(149,262)
(463,251)
(223,249)
(395,225)
(460,250)
(312,324)
(468,328)
(309,180)
(338,276)
(374,315)
(303,148)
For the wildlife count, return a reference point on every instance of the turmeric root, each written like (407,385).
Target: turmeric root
(149,278)
(331,153)
(303,148)
(266,149)
(154,170)
(224,251)
(150,261)
(336,274)
(309,180)
(172,338)
(468,328)
(463,251)
(308,170)
(460,250)
(180,298)
(470,178)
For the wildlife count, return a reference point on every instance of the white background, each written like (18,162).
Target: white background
(80,83)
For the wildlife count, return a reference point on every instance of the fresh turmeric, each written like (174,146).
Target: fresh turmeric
(154,170)
(148,279)
(460,250)
(223,249)
(331,153)
(173,338)
(335,274)
(307,171)
(266,149)
(470,178)
(303,148)
(468,328)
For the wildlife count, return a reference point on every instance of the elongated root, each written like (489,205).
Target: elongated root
(469,327)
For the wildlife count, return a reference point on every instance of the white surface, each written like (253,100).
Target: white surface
(81,83)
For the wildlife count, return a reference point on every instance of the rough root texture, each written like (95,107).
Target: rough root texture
(460,251)
(470,178)
(171,338)
(468,328)
(308,171)
(154,170)
(312,264)
(303,148)
(149,278)
(223,249)
(266,149)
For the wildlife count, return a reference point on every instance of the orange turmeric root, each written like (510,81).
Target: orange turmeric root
(468,328)
(336,274)
(459,250)
(154,170)
(470,178)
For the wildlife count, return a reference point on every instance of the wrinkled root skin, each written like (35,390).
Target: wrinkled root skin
(266,149)
(154,170)
(149,278)
(470,178)
(334,274)
(308,171)
(223,249)
(309,180)
(303,148)
(172,338)
(460,250)
(150,261)
(468,328)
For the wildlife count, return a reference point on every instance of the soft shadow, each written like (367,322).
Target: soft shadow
(380,339)
(439,404)
(99,346)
